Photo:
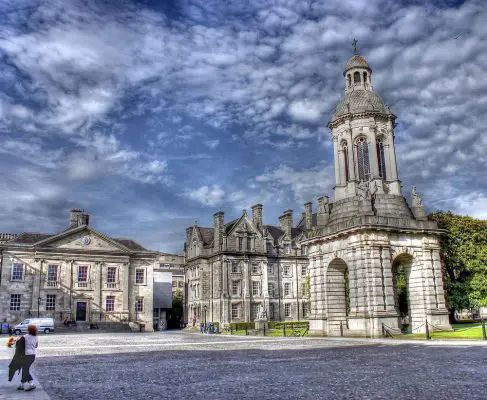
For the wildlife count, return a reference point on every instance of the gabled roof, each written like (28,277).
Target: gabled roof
(230,225)
(295,232)
(274,231)
(206,234)
(30,238)
(130,244)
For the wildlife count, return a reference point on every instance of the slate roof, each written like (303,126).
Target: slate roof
(230,225)
(361,100)
(206,234)
(274,231)
(314,221)
(130,244)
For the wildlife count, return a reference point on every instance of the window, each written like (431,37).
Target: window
(304,270)
(287,310)
(255,288)
(14,302)
(235,288)
(255,269)
(82,276)
(111,277)
(286,270)
(349,79)
(249,242)
(269,247)
(52,274)
(305,309)
(139,276)
(303,289)
(234,267)
(363,165)
(235,311)
(51,302)
(110,304)
(270,289)
(270,269)
(254,310)
(345,156)
(365,77)
(174,284)
(381,158)
(17,272)
(240,243)
(356,77)
(287,289)
(139,304)
(181,284)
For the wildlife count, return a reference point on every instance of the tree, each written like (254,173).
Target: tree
(464,256)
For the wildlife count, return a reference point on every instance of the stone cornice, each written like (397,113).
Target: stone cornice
(351,116)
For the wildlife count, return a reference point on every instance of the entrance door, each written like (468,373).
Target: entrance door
(81,311)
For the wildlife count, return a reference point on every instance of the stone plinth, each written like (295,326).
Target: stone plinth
(261,325)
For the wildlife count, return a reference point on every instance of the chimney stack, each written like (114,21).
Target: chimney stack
(308,209)
(323,210)
(257,216)
(286,222)
(218,223)
(77,217)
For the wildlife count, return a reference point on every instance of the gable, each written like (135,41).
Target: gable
(244,225)
(85,239)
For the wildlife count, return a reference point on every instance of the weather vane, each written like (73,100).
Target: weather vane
(354,45)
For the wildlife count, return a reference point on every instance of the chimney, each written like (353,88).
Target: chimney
(78,218)
(218,222)
(257,216)
(323,210)
(286,222)
(308,209)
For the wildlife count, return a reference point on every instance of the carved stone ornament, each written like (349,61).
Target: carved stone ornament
(415,198)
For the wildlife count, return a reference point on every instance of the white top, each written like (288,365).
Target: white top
(31,343)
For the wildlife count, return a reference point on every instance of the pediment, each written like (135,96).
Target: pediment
(245,225)
(85,239)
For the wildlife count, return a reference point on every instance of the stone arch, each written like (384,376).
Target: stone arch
(410,307)
(338,294)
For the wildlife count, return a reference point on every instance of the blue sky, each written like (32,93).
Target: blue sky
(150,115)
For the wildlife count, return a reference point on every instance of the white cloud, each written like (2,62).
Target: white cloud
(208,196)
(212,144)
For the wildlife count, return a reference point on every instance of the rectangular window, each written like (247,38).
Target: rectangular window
(110,303)
(287,289)
(139,304)
(254,310)
(82,275)
(17,272)
(52,274)
(234,267)
(255,288)
(304,270)
(270,289)
(174,284)
(181,284)
(111,277)
(235,311)
(240,243)
(139,276)
(249,241)
(286,270)
(270,269)
(269,247)
(255,269)
(235,288)
(51,302)
(303,289)
(287,310)
(271,311)
(14,302)
(305,309)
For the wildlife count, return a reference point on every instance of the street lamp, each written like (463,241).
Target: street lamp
(136,312)
(204,312)
(39,299)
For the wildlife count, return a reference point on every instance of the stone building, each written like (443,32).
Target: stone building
(361,239)
(78,273)
(235,267)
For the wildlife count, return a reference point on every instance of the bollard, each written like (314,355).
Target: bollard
(231,329)
(284,329)
(341,329)
(484,335)
(428,337)
(383,330)
(246,330)
(264,329)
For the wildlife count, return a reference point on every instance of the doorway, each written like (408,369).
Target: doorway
(81,311)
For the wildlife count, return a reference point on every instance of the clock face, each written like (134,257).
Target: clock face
(85,240)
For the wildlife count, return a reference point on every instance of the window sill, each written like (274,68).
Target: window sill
(17,280)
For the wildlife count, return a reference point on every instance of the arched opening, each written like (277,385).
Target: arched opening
(365,78)
(345,156)
(349,80)
(363,163)
(356,77)
(401,273)
(338,295)
(381,159)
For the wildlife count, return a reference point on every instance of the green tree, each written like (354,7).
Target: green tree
(464,255)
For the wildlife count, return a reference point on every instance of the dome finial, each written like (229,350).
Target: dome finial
(354,45)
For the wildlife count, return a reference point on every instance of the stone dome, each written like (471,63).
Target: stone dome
(356,61)
(360,101)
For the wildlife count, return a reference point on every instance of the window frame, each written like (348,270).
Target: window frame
(287,310)
(107,303)
(236,308)
(255,288)
(287,289)
(22,275)
(50,302)
(144,276)
(139,303)
(81,282)
(235,288)
(15,305)
(363,158)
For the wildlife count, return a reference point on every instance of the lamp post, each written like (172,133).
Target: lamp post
(204,313)
(38,306)
(136,312)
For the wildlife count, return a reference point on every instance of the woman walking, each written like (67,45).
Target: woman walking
(31,343)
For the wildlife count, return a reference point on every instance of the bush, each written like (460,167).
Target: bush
(289,325)
(241,326)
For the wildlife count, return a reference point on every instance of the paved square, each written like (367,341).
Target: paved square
(176,365)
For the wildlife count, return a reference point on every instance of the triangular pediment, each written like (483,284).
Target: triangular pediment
(244,225)
(82,238)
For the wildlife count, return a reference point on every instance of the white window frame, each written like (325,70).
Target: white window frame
(286,270)
(235,311)
(234,267)
(235,285)
(22,272)
(304,268)
(255,269)
(255,288)
(83,283)
(139,302)
(287,289)
(287,310)
(50,302)
(144,280)
(15,302)
(110,297)
(53,280)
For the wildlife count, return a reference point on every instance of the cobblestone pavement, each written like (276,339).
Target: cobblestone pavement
(175,365)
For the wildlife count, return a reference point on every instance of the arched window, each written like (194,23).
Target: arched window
(363,164)
(349,77)
(356,77)
(345,155)
(381,158)
(365,79)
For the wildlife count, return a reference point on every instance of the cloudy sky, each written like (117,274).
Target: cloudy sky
(153,114)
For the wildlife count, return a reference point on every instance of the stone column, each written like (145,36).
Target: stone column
(341,163)
(126,287)
(351,162)
(438,274)
(387,280)
(372,141)
(246,290)
(337,163)
(36,287)
(265,286)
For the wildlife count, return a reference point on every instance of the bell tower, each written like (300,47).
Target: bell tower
(362,129)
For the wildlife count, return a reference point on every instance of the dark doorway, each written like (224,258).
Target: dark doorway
(81,311)
(401,269)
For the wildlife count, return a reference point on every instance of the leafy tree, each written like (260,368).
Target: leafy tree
(464,255)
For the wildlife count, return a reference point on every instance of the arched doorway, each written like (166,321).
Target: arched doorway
(401,280)
(338,296)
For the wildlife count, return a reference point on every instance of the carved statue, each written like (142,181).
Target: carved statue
(324,206)
(363,190)
(415,198)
